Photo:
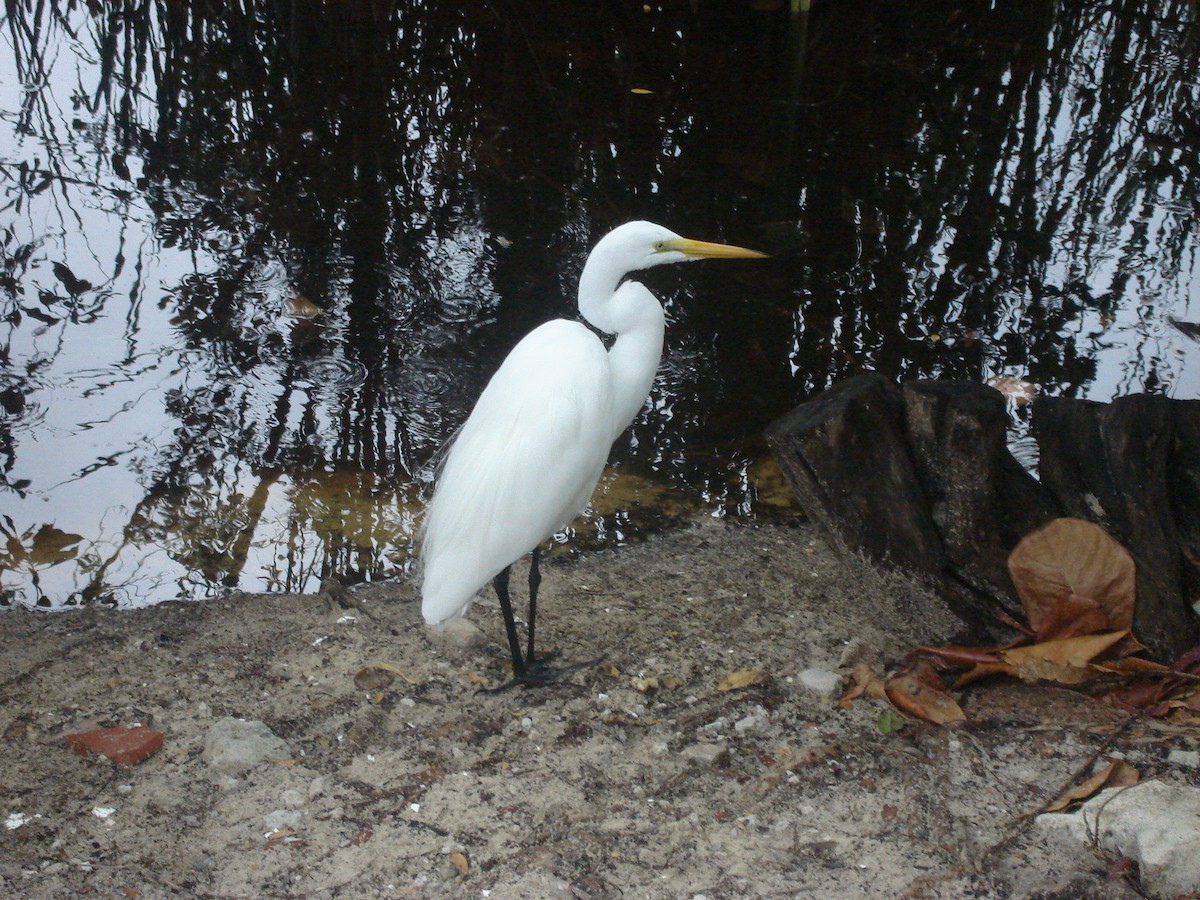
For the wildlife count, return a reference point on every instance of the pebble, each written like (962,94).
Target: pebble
(317,787)
(757,719)
(821,682)
(235,745)
(460,633)
(703,753)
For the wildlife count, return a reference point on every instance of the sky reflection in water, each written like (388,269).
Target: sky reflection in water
(253,272)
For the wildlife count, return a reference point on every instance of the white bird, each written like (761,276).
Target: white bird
(527,459)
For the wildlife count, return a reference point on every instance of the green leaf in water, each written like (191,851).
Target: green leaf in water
(890,722)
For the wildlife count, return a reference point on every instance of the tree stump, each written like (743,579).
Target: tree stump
(847,458)
(920,477)
(1131,466)
(982,500)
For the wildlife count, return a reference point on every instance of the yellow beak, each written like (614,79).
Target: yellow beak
(705,250)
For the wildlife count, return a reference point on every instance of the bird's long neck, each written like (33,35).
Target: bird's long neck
(633,360)
(633,314)
(598,284)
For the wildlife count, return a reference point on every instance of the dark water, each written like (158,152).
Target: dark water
(257,260)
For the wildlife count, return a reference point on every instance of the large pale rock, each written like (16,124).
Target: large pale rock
(235,745)
(1155,823)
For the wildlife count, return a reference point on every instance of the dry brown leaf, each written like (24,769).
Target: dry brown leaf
(983,670)
(386,667)
(742,678)
(459,861)
(912,695)
(1068,560)
(1017,390)
(1067,661)
(372,678)
(300,307)
(863,680)
(644,685)
(1131,665)
(1072,617)
(954,655)
(1117,773)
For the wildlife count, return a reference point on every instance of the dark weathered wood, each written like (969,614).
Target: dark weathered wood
(921,477)
(1183,487)
(1112,463)
(847,457)
(983,502)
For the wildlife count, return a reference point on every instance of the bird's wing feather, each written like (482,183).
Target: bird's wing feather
(524,464)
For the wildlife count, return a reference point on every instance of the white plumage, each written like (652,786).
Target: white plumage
(530,454)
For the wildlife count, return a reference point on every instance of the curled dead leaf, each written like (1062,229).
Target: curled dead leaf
(1071,569)
(1067,661)
(372,679)
(1014,389)
(912,694)
(459,861)
(1117,773)
(983,670)
(863,681)
(300,307)
(742,678)
(956,656)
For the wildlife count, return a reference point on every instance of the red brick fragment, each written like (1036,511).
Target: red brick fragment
(124,746)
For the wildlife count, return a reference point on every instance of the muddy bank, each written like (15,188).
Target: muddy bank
(638,778)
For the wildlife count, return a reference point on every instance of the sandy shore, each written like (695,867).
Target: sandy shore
(638,777)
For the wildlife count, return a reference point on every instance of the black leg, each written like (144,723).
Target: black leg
(500,583)
(535,578)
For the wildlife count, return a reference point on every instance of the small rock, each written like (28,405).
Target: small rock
(460,633)
(703,753)
(317,787)
(758,719)
(821,682)
(1153,822)
(124,746)
(235,745)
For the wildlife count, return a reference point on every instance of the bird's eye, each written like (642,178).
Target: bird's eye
(659,246)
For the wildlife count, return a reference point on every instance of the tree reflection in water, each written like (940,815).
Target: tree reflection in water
(257,259)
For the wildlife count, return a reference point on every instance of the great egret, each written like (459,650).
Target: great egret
(527,459)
